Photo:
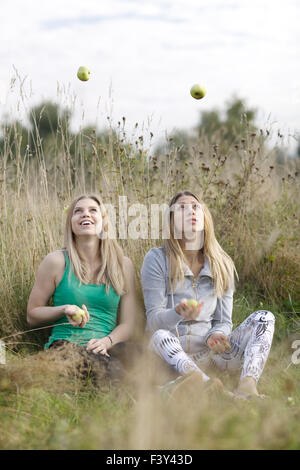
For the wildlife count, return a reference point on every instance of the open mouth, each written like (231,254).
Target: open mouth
(86,223)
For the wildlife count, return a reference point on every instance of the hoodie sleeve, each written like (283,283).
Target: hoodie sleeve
(154,284)
(222,319)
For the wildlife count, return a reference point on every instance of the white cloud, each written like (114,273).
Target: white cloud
(151,53)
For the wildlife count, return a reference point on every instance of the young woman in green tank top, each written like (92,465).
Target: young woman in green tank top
(87,277)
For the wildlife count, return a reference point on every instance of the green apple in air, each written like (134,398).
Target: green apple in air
(198,91)
(79,314)
(83,73)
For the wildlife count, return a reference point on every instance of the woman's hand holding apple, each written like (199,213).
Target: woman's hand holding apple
(189,309)
(76,315)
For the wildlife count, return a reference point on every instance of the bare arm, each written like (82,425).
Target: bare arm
(129,306)
(37,310)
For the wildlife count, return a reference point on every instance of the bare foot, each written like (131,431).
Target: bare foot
(189,387)
(247,389)
(214,386)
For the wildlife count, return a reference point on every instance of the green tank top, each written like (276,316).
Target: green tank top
(101,306)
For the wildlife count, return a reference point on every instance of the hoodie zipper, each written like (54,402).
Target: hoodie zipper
(194,285)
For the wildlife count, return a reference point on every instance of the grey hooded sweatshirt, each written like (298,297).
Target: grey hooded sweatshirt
(160,303)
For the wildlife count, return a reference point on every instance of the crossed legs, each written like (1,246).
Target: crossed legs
(250,346)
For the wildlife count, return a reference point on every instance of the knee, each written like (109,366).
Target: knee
(160,334)
(160,339)
(263,316)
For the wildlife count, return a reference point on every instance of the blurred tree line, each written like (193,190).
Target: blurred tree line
(48,122)
(222,127)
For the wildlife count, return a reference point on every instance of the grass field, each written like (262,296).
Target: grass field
(255,204)
(38,412)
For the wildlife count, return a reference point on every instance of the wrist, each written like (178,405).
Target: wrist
(61,310)
(178,310)
(209,338)
(109,341)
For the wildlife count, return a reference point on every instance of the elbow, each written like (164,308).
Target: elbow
(126,330)
(30,319)
(151,325)
(130,330)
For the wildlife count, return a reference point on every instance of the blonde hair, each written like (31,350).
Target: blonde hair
(220,263)
(112,257)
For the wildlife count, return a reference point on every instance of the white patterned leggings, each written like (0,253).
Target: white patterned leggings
(250,346)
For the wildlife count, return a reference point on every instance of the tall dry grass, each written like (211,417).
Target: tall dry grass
(255,205)
(254,202)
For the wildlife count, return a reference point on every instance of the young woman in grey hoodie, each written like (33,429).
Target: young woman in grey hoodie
(194,334)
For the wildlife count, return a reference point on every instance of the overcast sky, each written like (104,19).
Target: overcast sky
(144,56)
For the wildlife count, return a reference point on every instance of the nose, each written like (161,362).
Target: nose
(85,212)
(191,209)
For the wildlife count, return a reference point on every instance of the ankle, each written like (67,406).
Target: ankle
(248,384)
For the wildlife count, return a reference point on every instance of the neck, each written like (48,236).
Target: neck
(89,250)
(192,255)
(191,245)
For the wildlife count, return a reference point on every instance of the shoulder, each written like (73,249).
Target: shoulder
(129,272)
(50,269)
(54,261)
(155,258)
(156,252)
(128,264)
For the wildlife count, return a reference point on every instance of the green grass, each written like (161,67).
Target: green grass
(39,412)
(39,419)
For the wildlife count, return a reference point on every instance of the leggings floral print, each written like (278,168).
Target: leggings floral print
(250,346)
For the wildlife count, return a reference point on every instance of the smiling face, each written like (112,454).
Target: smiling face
(86,218)
(188,217)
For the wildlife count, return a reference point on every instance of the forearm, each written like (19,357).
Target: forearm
(41,315)
(162,318)
(120,334)
(154,277)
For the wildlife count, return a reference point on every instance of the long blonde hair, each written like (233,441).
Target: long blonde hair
(112,258)
(220,263)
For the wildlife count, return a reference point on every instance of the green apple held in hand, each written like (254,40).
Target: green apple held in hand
(191,303)
(198,91)
(79,314)
(83,73)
